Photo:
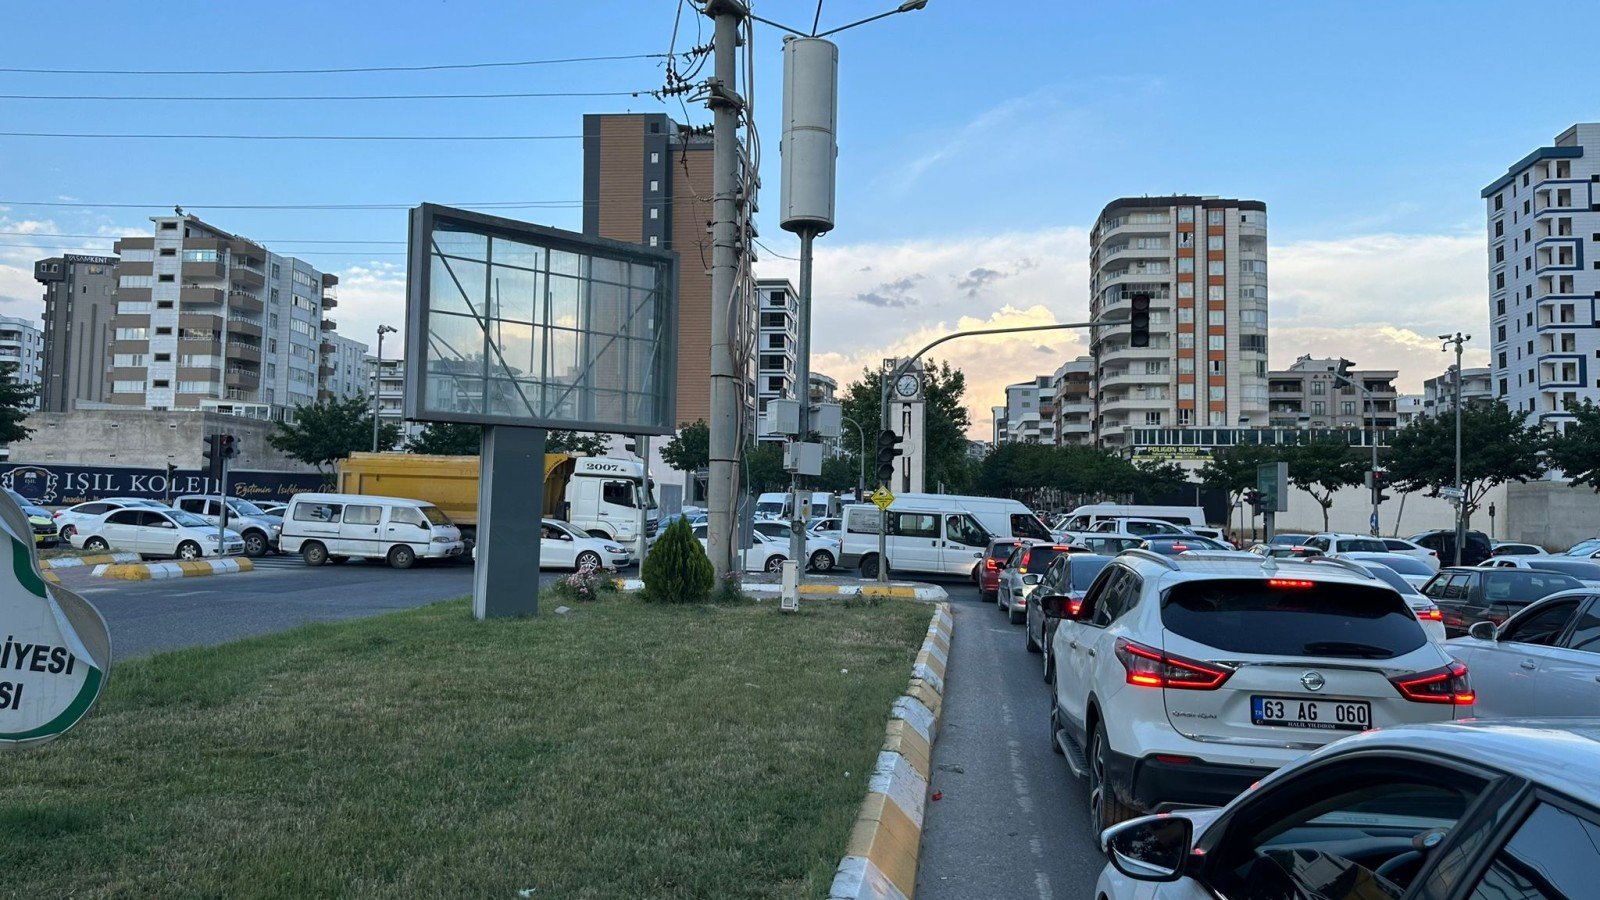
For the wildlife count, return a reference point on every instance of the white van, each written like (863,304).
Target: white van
(937,539)
(774,505)
(334,527)
(1085,517)
(1000,516)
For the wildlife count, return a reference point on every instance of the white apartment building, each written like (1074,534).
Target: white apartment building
(1439,392)
(388,381)
(1203,263)
(997,429)
(1544,239)
(1407,407)
(22,345)
(1072,389)
(1030,411)
(345,368)
(206,319)
(777,342)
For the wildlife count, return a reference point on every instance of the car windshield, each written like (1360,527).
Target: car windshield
(245,508)
(435,515)
(1391,578)
(188,520)
(1577,568)
(1362,545)
(1290,617)
(1287,540)
(1405,565)
(1525,585)
(770,509)
(1082,570)
(1584,548)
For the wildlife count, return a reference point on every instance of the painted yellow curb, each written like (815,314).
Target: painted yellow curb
(175,569)
(889,840)
(904,740)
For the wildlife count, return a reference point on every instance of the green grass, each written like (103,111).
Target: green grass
(622,750)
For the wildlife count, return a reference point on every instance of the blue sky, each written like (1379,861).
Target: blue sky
(1368,129)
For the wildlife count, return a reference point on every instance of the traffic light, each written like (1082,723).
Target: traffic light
(1253,497)
(888,449)
(213,456)
(1378,480)
(228,446)
(1140,321)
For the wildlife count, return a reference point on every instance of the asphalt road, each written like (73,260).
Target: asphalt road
(149,616)
(1012,821)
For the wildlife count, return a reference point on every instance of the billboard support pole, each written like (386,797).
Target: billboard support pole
(512,476)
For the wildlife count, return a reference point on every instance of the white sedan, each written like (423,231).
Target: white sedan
(1585,570)
(72,519)
(1409,548)
(1543,661)
(763,555)
(157,532)
(562,546)
(821,552)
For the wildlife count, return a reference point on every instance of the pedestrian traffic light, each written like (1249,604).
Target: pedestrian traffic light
(213,456)
(888,449)
(228,446)
(1139,321)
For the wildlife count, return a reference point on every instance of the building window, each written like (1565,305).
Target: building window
(275,274)
(655,185)
(1219,393)
(1185,340)
(1214,293)
(1185,392)
(1214,242)
(655,213)
(1216,267)
(1216,317)
(1152,418)
(165,279)
(655,157)
(654,241)
(1185,365)
(163,332)
(1219,367)
(1347,408)
(1216,342)
(169,226)
(1185,214)
(1186,290)
(127,387)
(131,334)
(1186,264)
(1214,217)
(135,281)
(1185,315)
(1318,408)
(1499,227)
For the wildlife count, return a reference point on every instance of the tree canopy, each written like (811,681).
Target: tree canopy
(324,433)
(689,449)
(945,424)
(16,400)
(1321,467)
(1496,446)
(1576,452)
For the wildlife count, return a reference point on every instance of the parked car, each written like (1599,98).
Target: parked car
(1517,548)
(1069,575)
(335,527)
(1383,567)
(829,528)
(1284,551)
(1183,680)
(1136,526)
(1107,544)
(1413,570)
(1401,545)
(73,517)
(1478,810)
(1172,545)
(563,546)
(821,552)
(1468,595)
(763,555)
(1443,542)
(1022,574)
(1584,548)
(1219,535)
(40,520)
(157,532)
(992,564)
(1331,542)
(1543,661)
(1288,539)
(275,509)
(1586,571)
(261,531)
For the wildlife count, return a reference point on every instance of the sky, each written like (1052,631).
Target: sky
(977,144)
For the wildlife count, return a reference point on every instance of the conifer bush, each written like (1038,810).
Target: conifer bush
(677,569)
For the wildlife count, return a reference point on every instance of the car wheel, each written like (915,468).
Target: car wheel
(869,566)
(821,561)
(587,558)
(189,551)
(1105,806)
(255,544)
(96,543)
(1055,729)
(67,531)
(1033,645)
(775,564)
(402,557)
(1014,617)
(314,553)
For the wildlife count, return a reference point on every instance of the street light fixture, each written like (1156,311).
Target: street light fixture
(907,6)
(377,383)
(1457,339)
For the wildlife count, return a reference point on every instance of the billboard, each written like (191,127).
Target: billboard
(509,323)
(65,485)
(1172,453)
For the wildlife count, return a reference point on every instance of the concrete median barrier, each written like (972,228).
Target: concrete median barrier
(98,559)
(156,571)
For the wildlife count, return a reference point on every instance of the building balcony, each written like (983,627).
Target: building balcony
(246,302)
(329,301)
(244,351)
(326,372)
(194,295)
(247,275)
(1131,402)
(200,321)
(239,326)
(1132,273)
(243,378)
(209,270)
(1125,224)
(330,325)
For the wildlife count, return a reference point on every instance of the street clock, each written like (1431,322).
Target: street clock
(908,386)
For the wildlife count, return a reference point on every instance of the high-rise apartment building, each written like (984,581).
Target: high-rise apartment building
(1307,395)
(1030,412)
(22,347)
(777,341)
(1203,263)
(345,368)
(1543,223)
(79,300)
(1072,402)
(206,319)
(1477,389)
(647,180)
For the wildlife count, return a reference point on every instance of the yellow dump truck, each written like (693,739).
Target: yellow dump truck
(599,495)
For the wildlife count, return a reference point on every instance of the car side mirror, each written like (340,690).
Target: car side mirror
(1060,606)
(1031,579)
(1483,631)
(1154,848)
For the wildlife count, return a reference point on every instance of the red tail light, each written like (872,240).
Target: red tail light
(56,514)
(1289,583)
(1431,614)
(1149,667)
(1026,554)
(991,564)
(1446,685)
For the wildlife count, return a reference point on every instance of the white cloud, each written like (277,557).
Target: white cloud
(371,295)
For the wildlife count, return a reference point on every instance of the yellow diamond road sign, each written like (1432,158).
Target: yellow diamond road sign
(882,498)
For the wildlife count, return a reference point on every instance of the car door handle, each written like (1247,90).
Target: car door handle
(1074,645)
(1091,652)
(1528,664)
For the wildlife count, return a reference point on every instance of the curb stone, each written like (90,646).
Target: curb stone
(73,562)
(762,590)
(163,570)
(880,862)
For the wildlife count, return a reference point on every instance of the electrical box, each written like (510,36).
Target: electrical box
(781,417)
(808,145)
(789,590)
(802,458)
(827,420)
(800,502)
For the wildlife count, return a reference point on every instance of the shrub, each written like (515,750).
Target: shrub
(677,569)
(588,583)
(730,591)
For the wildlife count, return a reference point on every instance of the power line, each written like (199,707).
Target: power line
(297,137)
(297,98)
(489,204)
(338,71)
(757,243)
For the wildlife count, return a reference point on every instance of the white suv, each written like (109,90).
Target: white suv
(1180,681)
(1330,542)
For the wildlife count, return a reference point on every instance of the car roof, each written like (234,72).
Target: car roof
(356,498)
(1215,564)
(1552,752)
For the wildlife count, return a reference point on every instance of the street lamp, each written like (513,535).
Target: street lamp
(1372,410)
(1457,339)
(907,6)
(377,383)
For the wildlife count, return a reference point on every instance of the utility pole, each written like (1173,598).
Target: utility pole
(1372,412)
(726,106)
(1461,499)
(377,385)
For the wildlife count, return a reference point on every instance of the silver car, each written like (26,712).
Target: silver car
(1022,574)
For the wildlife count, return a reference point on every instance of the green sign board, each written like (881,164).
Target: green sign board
(1272,480)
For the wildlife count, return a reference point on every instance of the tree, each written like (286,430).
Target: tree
(323,433)
(577,443)
(690,449)
(763,467)
(839,473)
(15,399)
(1153,479)
(448,439)
(945,423)
(677,569)
(1576,451)
(1497,445)
(1233,469)
(1323,466)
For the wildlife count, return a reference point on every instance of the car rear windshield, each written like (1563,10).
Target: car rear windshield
(1577,568)
(1082,569)
(1292,618)
(1525,586)
(1405,565)
(1039,557)
(1392,578)
(1362,545)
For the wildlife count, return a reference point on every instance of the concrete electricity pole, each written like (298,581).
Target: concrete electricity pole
(377,385)
(1461,500)
(726,106)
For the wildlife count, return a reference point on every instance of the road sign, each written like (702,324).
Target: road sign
(882,498)
(1374,523)
(1450,493)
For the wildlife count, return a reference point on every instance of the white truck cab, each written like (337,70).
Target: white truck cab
(604,495)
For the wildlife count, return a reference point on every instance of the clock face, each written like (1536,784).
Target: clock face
(907,386)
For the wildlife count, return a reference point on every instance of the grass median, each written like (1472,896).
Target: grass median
(621,750)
